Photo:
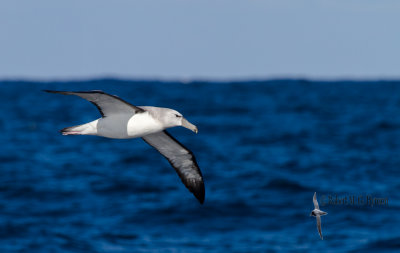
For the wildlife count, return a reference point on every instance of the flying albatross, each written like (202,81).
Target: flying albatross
(121,120)
(317,213)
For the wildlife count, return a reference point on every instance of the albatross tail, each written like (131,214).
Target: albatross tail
(71,130)
(84,129)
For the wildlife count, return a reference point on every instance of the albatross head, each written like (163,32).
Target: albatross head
(176,119)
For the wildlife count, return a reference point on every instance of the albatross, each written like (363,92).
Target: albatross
(122,120)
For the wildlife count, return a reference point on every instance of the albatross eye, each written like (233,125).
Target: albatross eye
(178,115)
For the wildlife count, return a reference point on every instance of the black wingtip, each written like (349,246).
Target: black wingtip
(50,91)
(56,91)
(200,199)
(199,192)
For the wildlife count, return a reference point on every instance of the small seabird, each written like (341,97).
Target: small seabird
(121,120)
(317,214)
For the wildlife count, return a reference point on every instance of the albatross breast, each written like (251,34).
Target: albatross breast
(142,124)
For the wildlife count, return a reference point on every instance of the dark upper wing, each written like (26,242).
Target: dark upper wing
(106,103)
(181,159)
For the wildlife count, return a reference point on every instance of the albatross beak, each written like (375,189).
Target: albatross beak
(189,125)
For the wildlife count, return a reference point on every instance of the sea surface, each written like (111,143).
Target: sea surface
(264,148)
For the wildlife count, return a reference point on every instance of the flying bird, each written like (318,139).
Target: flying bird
(122,120)
(317,214)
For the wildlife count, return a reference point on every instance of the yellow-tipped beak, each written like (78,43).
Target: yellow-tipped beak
(189,125)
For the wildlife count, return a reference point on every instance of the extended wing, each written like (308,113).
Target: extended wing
(181,159)
(106,103)
(315,201)
(319,226)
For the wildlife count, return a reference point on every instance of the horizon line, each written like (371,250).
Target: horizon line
(197,79)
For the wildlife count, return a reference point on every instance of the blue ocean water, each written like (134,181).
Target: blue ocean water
(264,148)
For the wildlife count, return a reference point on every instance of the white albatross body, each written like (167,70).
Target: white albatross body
(137,125)
(121,120)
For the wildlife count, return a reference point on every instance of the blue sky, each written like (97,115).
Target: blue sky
(188,39)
